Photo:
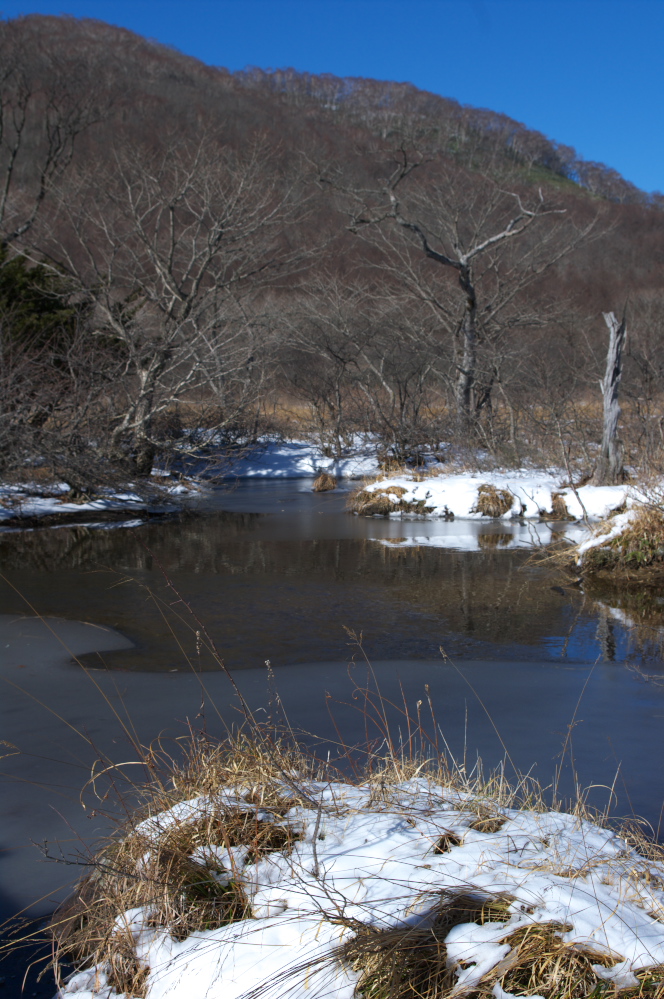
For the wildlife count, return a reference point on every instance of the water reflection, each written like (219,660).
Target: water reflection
(287,587)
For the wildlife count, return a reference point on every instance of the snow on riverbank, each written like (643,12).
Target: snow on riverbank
(28,500)
(391,860)
(528,494)
(299,459)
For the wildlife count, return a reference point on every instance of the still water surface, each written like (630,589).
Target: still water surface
(276,572)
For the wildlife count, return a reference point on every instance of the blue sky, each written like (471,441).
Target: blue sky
(589,73)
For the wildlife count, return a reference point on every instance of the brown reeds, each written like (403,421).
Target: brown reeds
(540,962)
(324,482)
(638,547)
(493,502)
(411,962)
(559,509)
(172,870)
(379,502)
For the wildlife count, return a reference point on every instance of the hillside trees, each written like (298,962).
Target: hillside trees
(167,247)
(364,361)
(468,247)
(47,99)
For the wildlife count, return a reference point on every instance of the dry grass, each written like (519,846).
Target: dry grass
(639,547)
(559,508)
(541,963)
(411,962)
(167,870)
(324,483)
(493,502)
(183,890)
(378,503)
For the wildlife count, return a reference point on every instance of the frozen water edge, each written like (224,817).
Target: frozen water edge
(376,864)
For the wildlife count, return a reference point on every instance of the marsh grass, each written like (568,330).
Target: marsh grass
(639,548)
(379,503)
(493,502)
(324,483)
(559,509)
(411,962)
(174,873)
(170,871)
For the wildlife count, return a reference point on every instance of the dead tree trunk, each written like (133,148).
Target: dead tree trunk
(609,470)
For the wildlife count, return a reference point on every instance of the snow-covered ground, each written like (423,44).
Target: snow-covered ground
(380,860)
(299,459)
(532,494)
(30,500)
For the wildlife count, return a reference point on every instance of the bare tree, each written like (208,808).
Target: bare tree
(609,468)
(492,237)
(166,246)
(45,104)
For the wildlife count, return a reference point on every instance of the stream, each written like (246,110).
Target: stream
(510,653)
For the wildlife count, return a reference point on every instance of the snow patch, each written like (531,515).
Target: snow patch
(362,862)
(532,492)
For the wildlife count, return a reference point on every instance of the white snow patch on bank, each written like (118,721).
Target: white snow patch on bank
(30,500)
(359,861)
(532,494)
(301,460)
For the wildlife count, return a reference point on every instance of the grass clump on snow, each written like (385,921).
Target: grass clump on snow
(254,870)
(493,502)
(381,502)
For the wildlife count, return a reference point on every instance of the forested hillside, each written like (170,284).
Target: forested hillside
(191,255)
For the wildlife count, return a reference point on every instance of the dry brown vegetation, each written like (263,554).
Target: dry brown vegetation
(185,891)
(324,483)
(637,552)
(378,502)
(493,502)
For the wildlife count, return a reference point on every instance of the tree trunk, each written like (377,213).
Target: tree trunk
(609,470)
(467,368)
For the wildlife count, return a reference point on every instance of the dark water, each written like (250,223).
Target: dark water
(288,583)
(273,572)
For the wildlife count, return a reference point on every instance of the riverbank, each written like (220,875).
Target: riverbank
(32,503)
(433,491)
(500,495)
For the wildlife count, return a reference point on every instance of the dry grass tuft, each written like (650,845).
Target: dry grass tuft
(639,547)
(493,502)
(488,823)
(324,483)
(411,962)
(559,509)
(541,963)
(378,503)
(171,872)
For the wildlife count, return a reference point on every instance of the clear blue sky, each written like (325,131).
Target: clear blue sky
(589,73)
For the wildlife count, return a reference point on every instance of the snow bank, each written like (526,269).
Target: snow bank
(363,861)
(28,500)
(300,460)
(532,492)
